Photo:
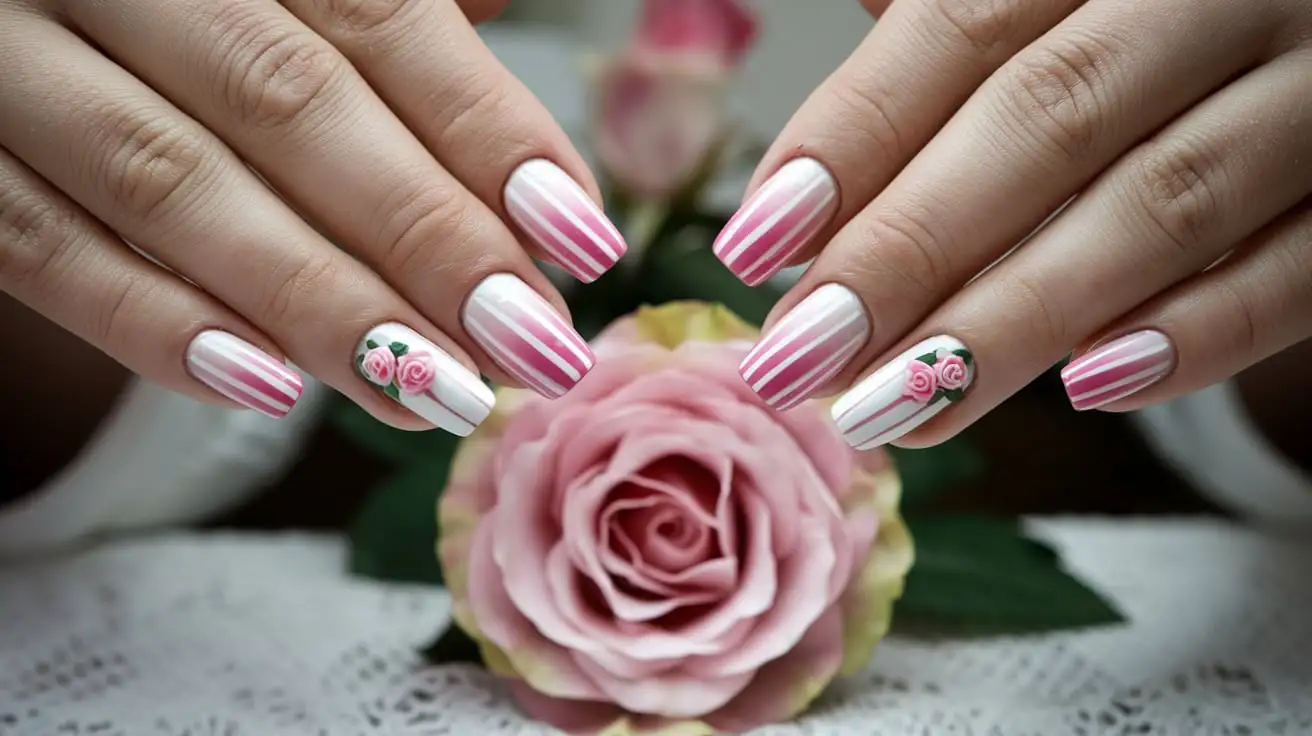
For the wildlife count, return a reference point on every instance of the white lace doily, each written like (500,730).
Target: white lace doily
(264,636)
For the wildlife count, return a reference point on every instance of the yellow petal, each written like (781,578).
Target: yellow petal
(670,325)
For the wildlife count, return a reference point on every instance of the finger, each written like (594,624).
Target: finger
(1251,306)
(1095,86)
(59,261)
(1166,211)
(478,119)
(171,189)
(923,59)
(298,111)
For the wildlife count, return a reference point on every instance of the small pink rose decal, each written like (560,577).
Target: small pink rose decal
(415,372)
(379,365)
(951,371)
(921,382)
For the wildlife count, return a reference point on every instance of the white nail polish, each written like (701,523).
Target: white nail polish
(904,394)
(423,378)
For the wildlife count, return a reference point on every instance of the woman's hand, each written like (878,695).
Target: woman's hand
(1182,129)
(236,144)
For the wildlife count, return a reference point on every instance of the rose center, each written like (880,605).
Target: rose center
(668,537)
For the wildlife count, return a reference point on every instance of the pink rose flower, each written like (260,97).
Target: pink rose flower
(950,370)
(379,365)
(661,105)
(659,548)
(415,372)
(921,382)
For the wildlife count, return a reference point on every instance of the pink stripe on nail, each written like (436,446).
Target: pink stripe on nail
(1118,369)
(555,212)
(526,337)
(243,373)
(778,220)
(807,347)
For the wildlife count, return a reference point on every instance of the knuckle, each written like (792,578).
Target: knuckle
(279,76)
(366,16)
(1045,325)
(868,110)
(984,26)
(476,108)
(1055,91)
(150,167)
(1175,189)
(424,217)
(37,238)
(1244,337)
(118,319)
(295,287)
(904,246)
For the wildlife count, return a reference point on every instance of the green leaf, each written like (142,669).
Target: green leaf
(932,470)
(976,575)
(934,397)
(359,362)
(965,356)
(954,394)
(381,440)
(394,536)
(391,390)
(687,269)
(398,348)
(454,646)
(370,344)
(928,358)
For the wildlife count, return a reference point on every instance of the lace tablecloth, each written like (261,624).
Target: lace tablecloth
(264,636)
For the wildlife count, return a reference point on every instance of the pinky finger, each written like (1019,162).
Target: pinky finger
(64,264)
(1247,308)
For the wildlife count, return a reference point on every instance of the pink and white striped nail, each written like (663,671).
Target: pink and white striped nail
(807,348)
(417,374)
(905,393)
(526,337)
(1118,369)
(555,212)
(777,221)
(243,373)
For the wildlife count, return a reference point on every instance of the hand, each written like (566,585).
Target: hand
(236,144)
(1180,133)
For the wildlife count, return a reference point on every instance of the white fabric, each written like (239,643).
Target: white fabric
(264,636)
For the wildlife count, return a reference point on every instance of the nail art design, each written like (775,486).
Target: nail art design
(525,336)
(905,393)
(243,373)
(553,210)
(1121,367)
(423,378)
(778,220)
(807,348)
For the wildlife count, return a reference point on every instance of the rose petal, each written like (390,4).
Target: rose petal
(580,718)
(671,539)
(716,576)
(670,694)
(785,687)
(802,598)
(548,667)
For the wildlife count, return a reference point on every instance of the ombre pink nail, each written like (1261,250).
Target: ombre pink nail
(776,222)
(519,330)
(1118,369)
(807,348)
(555,212)
(243,373)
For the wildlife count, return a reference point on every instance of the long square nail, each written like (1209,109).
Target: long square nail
(554,211)
(807,348)
(908,391)
(525,336)
(423,378)
(1118,369)
(243,373)
(778,221)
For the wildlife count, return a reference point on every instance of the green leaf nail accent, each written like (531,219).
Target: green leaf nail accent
(935,397)
(928,359)
(965,356)
(371,344)
(399,348)
(359,363)
(391,390)
(954,395)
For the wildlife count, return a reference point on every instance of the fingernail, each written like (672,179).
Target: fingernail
(423,378)
(778,220)
(555,212)
(243,373)
(1118,369)
(904,394)
(808,347)
(526,337)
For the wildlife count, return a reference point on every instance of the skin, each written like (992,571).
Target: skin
(958,127)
